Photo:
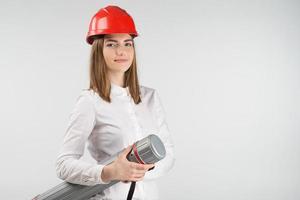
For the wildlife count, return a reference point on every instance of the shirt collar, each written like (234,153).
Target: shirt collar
(118,90)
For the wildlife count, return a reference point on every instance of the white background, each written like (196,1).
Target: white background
(227,72)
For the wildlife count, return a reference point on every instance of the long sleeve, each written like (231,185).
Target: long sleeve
(163,166)
(69,167)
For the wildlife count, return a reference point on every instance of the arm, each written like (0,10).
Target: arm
(164,166)
(68,166)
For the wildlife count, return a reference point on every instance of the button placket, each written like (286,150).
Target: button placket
(134,118)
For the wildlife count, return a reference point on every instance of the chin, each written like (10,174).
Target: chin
(123,69)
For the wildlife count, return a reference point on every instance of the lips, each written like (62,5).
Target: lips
(120,60)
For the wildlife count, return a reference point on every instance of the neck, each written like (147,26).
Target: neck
(117,78)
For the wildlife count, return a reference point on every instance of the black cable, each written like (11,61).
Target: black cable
(131,190)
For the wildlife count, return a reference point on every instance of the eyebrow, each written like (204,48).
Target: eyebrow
(111,40)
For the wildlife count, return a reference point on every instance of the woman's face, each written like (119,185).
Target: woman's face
(118,52)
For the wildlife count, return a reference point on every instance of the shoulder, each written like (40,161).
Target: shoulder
(151,98)
(86,94)
(147,91)
(86,99)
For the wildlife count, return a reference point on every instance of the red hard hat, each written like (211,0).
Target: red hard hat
(108,20)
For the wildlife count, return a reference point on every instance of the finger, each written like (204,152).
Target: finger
(150,166)
(139,172)
(125,181)
(143,166)
(140,167)
(126,151)
(136,177)
(139,177)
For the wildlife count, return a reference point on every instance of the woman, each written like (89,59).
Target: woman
(114,113)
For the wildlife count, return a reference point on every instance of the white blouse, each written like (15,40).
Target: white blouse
(108,128)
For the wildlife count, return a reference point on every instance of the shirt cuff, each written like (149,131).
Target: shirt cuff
(98,173)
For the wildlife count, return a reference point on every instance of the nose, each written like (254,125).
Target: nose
(120,50)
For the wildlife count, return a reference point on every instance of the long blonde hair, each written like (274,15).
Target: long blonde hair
(99,81)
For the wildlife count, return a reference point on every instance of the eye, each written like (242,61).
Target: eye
(128,44)
(110,45)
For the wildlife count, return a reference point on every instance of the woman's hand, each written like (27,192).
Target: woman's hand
(123,170)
